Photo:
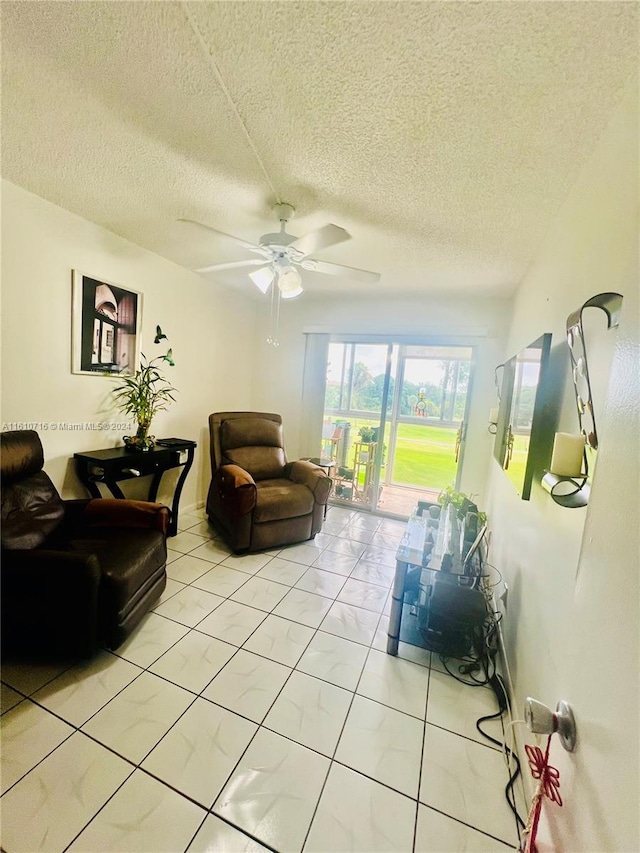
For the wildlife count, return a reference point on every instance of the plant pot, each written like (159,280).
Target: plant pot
(141,440)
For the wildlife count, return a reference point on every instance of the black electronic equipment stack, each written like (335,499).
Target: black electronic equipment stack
(451,622)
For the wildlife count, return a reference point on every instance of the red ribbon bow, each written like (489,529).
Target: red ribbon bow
(540,769)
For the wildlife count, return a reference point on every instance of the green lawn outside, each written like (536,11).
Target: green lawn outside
(424,454)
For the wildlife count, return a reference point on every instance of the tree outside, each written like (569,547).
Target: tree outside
(445,400)
(425,449)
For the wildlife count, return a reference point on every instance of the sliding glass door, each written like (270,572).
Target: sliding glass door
(357,402)
(427,424)
(394,421)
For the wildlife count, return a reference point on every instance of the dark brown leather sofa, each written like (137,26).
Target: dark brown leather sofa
(74,573)
(257,498)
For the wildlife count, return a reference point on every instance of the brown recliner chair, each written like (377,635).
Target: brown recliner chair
(258,498)
(74,573)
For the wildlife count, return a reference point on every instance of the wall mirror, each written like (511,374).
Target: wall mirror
(523,438)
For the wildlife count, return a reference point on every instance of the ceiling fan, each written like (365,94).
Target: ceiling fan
(281,255)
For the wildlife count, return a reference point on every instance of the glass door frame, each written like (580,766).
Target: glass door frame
(403,341)
(396,418)
(380,415)
(377,465)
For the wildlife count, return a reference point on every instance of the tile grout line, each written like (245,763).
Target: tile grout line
(316,630)
(332,760)
(424,739)
(417,799)
(262,726)
(78,729)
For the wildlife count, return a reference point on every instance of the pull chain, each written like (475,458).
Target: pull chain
(276,342)
(274,315)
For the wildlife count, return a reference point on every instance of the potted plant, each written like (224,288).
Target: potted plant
(144,394)
(367,434)
(461,501)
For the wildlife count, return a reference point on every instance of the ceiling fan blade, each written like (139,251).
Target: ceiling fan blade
(315,241)
(231,266)
(365,276)
(239,240)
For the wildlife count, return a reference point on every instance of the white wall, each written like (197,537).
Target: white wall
(482,322)
(573,613)
(41,244)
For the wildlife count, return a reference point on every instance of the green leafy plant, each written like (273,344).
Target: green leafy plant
(461,501)
(367,434)
(145,394)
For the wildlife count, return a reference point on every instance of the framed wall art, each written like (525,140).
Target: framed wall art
(106,320)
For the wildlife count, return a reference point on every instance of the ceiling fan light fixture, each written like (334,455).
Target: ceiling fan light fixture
(283,254)
(262,278)
(289,282)
(291,294)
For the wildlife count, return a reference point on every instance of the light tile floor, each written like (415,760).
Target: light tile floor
(255,708)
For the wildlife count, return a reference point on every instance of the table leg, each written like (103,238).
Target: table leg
(91,472)
(397,600)
(91,483)
(173,524)
(82,470)
(155,485)
(114,488)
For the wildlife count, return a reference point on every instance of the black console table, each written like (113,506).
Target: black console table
(114,464)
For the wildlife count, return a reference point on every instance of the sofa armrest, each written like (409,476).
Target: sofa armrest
(313,477)
(237,489)
(113,512)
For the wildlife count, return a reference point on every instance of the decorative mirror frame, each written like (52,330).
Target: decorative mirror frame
(610,303)
(573,492)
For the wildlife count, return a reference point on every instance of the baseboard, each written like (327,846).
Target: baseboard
(195,507)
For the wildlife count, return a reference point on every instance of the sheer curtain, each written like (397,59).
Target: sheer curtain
(313,390)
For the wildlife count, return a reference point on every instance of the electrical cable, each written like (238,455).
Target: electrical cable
(483,659)
(498,687)
(510,796)
(511,726)
(472,663)
(472,683)
(484,642)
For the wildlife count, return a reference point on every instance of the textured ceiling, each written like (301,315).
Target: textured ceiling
(443,136)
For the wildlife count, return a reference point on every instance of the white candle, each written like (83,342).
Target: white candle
(493,416)
(566,460)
